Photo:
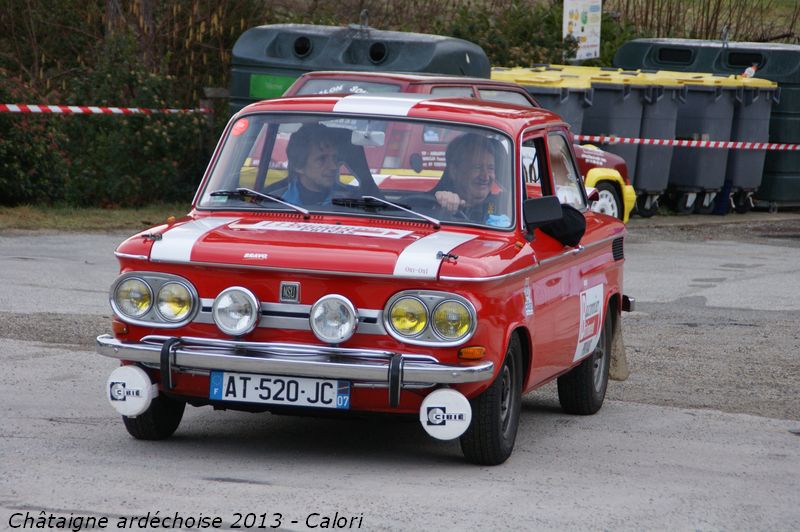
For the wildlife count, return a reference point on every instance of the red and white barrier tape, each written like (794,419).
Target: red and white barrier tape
(91,110)
(728,145)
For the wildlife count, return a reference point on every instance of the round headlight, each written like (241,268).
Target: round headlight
(451,320)
(333,319)
(174,302)
(408,316)
(236,311)
(133,297)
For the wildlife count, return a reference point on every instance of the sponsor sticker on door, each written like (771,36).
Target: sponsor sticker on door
(591,321)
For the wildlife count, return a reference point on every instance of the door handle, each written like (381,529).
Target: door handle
(575,250)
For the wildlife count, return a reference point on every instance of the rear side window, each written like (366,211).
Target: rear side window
(504,97)
(338,86)
(453,92)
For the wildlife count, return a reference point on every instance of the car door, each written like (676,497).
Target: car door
(587,264)
(557,288)
(547,286)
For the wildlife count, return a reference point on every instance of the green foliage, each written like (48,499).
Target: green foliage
(613,34)
(104,160)
(135,159)
(32,168)
(518,34)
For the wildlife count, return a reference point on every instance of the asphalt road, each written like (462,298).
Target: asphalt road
(705,435)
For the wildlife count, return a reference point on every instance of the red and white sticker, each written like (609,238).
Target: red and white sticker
(591,321)
(240,127)
(302,227)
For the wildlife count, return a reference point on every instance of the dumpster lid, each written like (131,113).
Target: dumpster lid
(755,83)
(703,79)
(541,77)
(624,77)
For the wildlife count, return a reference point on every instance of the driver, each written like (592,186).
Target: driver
(313,164)
(468,183)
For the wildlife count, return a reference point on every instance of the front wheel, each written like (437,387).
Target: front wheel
(583,389)
(608,202)
(490,437)
(158,422)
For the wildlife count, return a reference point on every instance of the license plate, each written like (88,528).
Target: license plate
(279,390)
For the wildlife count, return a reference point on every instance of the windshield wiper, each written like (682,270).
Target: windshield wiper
(249,193)
(372,201)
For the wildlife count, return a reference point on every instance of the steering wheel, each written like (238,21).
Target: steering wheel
(430,204)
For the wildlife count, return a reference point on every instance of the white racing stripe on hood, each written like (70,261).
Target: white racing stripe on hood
(419,260)
(176,245)
(396,105)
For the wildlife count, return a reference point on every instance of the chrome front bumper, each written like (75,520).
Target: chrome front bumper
(380,368)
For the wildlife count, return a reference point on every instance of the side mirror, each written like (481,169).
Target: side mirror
(539,211)
(592,194)
(569,229)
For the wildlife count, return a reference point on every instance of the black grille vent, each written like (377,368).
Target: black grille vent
(616,249)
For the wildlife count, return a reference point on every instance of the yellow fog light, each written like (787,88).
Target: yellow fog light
(174,302)
(133,297)
(451,320)
(408,315)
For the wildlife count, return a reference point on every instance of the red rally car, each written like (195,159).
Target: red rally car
(320,270)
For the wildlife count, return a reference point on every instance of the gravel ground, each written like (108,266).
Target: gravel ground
(687,353)
(754,227)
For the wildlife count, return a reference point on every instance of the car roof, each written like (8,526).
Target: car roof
(416,77)
(504,116)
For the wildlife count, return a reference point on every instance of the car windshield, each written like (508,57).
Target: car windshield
(390,168)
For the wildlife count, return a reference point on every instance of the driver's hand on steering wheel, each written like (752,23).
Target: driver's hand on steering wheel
(449,201)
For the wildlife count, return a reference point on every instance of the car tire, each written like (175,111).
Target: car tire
(158,422)
(582,390)
(609,202)
(489,440)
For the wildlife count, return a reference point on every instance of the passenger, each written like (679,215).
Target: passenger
(313,164)
(467,188)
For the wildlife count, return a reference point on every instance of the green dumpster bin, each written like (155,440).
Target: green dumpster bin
(779,63)
(267,59)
